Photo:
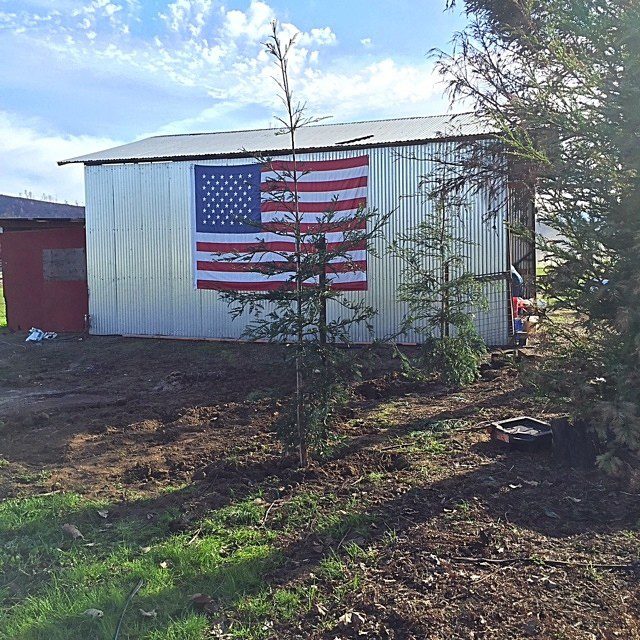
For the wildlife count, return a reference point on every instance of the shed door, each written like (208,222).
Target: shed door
(45,278)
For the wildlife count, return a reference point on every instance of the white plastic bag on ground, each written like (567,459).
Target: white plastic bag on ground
(38,335)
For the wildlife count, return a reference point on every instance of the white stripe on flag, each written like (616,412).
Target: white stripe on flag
(253,276)
(250,238)
(267,256)
(288,217)
(321,175)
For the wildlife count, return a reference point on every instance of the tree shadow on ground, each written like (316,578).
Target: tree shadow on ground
(519,489)
(525,490)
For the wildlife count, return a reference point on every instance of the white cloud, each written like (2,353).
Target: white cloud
(29,155)
(355,93)
(199,48)
(204,46)
(110,9)
(94,12)
(254,24)
(8,18)
(322,37)
(187,15)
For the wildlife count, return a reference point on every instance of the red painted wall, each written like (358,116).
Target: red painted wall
(32,300)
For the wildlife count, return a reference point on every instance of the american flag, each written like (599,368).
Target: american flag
(236,212)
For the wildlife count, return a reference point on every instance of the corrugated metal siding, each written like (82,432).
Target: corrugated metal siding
(139,220)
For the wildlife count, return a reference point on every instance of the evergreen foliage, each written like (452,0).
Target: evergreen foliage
(441,295)
(559,80)
(295,313)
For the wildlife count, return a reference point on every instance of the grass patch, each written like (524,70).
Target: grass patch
(429,437)
(50,580)
(3,310)
(33,477)
(258,612)
(375,477)
(388,414)
(333,568)
(425,442)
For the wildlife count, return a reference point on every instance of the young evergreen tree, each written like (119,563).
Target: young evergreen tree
(295,310)
(559,80)
(441,294)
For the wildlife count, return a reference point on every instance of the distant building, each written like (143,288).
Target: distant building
(141,222)
(44,275)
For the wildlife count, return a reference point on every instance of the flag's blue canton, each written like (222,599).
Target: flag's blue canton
(228,199)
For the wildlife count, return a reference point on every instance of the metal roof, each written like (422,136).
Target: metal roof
(321,137)
(12,208)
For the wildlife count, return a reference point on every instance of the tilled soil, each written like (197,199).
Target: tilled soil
(469,540)
(498,545)
(102,414)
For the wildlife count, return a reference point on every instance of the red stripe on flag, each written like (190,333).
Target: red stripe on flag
(242,286)
(353,224)
(273,286)
(314,187)
(315,165)
(361,285)
(313,207)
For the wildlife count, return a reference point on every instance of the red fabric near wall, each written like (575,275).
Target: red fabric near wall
(33,301)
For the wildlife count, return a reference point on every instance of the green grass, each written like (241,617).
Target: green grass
(388,414)
(49,580)
(3,310)
(425,442)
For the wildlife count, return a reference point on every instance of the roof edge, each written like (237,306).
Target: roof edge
(20,208)
(309,126)
(272,152)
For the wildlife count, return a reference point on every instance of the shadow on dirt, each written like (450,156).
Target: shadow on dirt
(515,489)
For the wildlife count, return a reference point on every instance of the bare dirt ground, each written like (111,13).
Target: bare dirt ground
(467,539)
(103,414)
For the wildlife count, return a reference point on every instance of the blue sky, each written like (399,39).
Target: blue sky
(81,75)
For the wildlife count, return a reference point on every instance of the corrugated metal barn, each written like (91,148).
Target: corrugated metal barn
(139,219)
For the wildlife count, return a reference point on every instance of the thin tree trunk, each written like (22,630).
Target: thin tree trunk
(322,324)
(300,423)
(444,270)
